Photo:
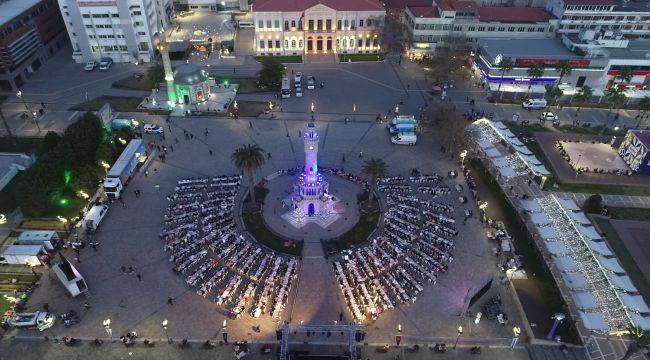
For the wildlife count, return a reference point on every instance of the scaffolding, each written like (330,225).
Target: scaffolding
(350,329)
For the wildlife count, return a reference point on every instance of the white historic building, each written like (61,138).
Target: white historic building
(124,30)
(286,27)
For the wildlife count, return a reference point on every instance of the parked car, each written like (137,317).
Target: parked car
(297,78)
(152,129)
(90,65)
(534,104)
(105,63)
(547,115)
(311,82)
(298,91)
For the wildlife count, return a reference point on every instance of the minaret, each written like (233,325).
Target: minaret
(311,150)
(169,74)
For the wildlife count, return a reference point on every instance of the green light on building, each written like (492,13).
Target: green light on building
(67,176)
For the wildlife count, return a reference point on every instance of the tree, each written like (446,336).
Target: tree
(248,159)
(593,204)
(640,342)
(374,168)
(447,125)
(615,96)
(272,72)
(534,72)
(564,68)
(554,92)
(156,74)
(584,96)
(505,66)
(84,136)
(50,141)
(396,36)
(625,74)
(447,62)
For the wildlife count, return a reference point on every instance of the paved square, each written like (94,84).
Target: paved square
(588,155)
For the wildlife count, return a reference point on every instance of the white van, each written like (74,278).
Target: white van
(534,104)
(286,88)
(94,217)
(404,139)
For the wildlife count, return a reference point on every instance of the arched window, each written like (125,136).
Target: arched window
(293,44)
(286,44)
(300,25)
(293,24)
(345,24)
(286,25)
(351,43)
(300,44)
(345,43)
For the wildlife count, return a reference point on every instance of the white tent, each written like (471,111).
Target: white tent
(485,144)
(579,217)
(530,205)
(547,232)
(593,321)
(557,248)
(599,247)
(583,300)
(610,264)
(531,159)
(507,171)
(574,281)
(515,142)
(622,282)
(523,150)
(589,232)
(505,133)
(492,153)
(639,320)
(540,170)
(634,302)
(565,263)
(500,162)
(499,125)
(568,204)
(540,218)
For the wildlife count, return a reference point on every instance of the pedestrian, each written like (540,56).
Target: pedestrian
(130,269)
(94,246)
(191,136)
(170,128)
(170,301)
(234,70)
(250,124)
(86,305)
(158,147)
(171,147)
(139,277)
(135,192)
(123,268)
(176,139)
(77,259)
(291,71)
(210,152)
(360,154)
(299,133)
(343,158)
(155,170)
(269,155)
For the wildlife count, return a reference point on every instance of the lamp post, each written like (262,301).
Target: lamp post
(33,113)
(557,317)
(516,330)
(398,336)
(396,110)
(460,332)
(20,96)
(107,327)
(354,112)
(224,329)
(312,111)
(64,221)
(164,325)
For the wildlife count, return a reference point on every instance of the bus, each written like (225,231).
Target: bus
(286,88)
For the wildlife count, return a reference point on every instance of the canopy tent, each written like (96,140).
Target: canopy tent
(547,232)
(499,125)
(505,133)
(579,217)
(485,144)
(531,159)
(610,264)
(492,153)
(540,170)
(515,142)
(565,263)
(594,321)
(507,172)
(589,232)
(599,247)
(557,248)
(568,204)
(634,302)
(523,150)
(540,218)
(500,162)
(574,281)
(530,205)
(639,321)
(622,282)
(584,300)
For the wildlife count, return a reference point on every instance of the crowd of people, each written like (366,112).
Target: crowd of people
(581,169)
(413,248)
(215,258)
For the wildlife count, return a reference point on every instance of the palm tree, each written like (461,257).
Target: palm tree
(640,342)
(505,66)
(248,159)
(374,168)
(535,72)
(615,96)
(625,74)
(564,68)
(554,92)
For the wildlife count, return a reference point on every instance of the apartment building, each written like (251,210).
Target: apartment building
(31,31)
(124,30)
(286,27)
(466,19)
(630,17)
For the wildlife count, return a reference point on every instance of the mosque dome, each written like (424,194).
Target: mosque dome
(189,75)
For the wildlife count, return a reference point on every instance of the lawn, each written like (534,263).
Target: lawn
(247,85)
(526,247)
(624,257)
(250,108)
(5,304)
(285,59)
(603,189)
(641,214)
(135,82)
(256,227)
(360,57)
(118,103)
(41,224)
(360,232)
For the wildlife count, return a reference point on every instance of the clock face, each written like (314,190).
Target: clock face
(497,59)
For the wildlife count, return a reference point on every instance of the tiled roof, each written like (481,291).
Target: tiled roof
(513,14)
(424,11)
(402,4)
(302,5)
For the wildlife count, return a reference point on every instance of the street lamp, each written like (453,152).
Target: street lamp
(107,327)
(3,219)
(164,325)
(396,109)
(64,221)
(543,182)
(460,332)
(516,331)
(20,96)
(483,205)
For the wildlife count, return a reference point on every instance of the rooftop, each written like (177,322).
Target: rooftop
(643,136)
(525,49)
(9,9)
(402,4)
(513,14)
(424,11)
(590,2)
(636,49)
(302,5)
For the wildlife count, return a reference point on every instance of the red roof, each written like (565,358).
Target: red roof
(424,11)
(590,2)
(445,5)
(302,5)
(402,4)
(513,14)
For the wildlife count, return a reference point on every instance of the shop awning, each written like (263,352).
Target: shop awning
(583,300)
(579,217)
(540,218)
(574,281)
(639,321)
(530,205)
(493,153)
(634,302)
(589,232)
(485,144)
(610,264)
(507,172)
(565,263)
(568,204)
(547,232)
(623,282)
(557,248)
(599,247)
(594,321)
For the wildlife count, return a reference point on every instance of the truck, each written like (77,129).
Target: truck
(115,122)
(408,138)
(121,172)
(40,319)
(402,124)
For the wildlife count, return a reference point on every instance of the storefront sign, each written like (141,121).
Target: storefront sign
(526,63)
